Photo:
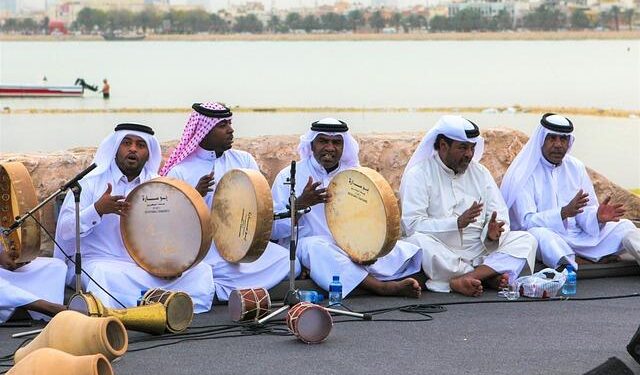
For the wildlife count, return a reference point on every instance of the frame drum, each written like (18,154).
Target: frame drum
(178,304)
(242,214)
(363,214)
(249,304)
(309,322)
(167,229)
(17,196)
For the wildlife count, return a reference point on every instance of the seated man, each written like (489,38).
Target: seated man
(204,154)
(454,202)
(37,286)
(325,150)
(550,194)
(125,159)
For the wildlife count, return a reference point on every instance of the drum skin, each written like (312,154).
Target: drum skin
(17,197)
(242,214)
(179,306)
(309,322)
(167,229)
(363,214)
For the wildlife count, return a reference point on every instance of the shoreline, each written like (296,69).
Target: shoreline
(498,109)
(418,36)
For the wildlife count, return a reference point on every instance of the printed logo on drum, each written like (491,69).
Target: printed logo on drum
(245,219)
(155,205)
(358,191)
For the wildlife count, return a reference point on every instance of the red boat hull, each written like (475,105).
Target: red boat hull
(39,90)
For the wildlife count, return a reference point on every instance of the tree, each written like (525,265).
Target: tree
(89,18)
(439,23)
(628,16)
(355,19)
(274,25)
(148,18)
(579,20)
(467,19)
(120,19)
(334,22)
(217,24)
(197,20)
(248,24)
(294,21)
(615,14)
(503,20)
(396,20)
(310,23)
(414,21)
(377,21)
(544,17)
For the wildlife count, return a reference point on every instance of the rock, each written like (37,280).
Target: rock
(386,153)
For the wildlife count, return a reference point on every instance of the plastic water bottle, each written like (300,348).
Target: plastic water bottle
(335,290)
(142,293)
(570,286)
(310,296)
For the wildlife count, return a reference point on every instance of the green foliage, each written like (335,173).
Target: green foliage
(439,23)
(545,17)
(579,20)
(355,19)
(334,22)
(377,21)
(248,24)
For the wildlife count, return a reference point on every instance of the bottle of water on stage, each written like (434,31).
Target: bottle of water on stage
(335,290)
(570,286)
(310,296)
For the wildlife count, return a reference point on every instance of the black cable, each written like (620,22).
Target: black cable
(72,261)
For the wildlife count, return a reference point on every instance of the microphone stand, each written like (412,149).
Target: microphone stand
(293,296)
(76,189)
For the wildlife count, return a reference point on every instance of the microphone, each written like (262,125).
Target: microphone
(286,214)
(78,177)
(292,175)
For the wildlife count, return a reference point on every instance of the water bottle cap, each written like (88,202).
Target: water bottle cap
(336,277)
(570,267)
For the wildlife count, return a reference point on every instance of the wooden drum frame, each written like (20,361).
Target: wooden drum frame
(18,196)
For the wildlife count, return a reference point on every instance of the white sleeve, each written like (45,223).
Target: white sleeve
(415,200)
(89,217)
(281,228)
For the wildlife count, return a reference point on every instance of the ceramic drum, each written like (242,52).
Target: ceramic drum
(363,214)
(249,304)
(168,227)
(309,322)
(242,215)
(178,304)
(17,197)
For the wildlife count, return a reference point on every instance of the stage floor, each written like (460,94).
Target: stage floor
(486,335)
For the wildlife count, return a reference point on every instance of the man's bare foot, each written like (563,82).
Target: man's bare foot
(408,287)
(466,285)
(304,274)
(499,281)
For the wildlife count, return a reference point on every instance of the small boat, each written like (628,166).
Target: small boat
(40,90)
(121,36)
(77,89)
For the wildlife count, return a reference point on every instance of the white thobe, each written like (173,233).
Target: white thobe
(537,210)
(104,256)
(40,279)
(273,264)
(318,251)
(433,197)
